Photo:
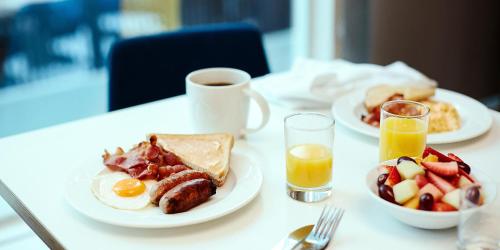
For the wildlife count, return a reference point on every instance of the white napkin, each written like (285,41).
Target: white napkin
(314,84)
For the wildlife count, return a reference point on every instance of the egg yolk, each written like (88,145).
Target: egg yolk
(129,187)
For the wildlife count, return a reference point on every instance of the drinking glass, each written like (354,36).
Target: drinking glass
(403,129)
(309,157)
(479,226)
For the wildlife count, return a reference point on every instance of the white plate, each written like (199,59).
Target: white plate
(242,185)
(475,117)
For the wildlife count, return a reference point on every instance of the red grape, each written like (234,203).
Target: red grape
(405,158)
(426,201)
(473,194)
(381,179)
(385,192)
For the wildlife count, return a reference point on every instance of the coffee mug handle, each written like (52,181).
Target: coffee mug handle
(264,108)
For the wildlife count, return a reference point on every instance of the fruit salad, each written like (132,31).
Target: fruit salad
(432,183)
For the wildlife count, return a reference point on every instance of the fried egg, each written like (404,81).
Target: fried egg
(119,190)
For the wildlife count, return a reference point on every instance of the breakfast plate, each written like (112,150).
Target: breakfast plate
(475,117)
(242,185)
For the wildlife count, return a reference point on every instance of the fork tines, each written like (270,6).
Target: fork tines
(327,223)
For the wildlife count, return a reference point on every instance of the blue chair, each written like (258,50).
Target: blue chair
(150,68)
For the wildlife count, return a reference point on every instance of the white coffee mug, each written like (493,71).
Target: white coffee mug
(219,101)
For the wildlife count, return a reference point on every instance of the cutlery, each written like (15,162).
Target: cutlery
(292,239)
(323,230)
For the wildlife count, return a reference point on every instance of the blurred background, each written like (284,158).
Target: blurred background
(53,53)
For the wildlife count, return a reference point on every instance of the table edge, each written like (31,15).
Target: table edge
(29,218)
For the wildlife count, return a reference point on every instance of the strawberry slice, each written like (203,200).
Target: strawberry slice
(421,180)
(455,181)
(462,172)
(461,163)
(384,169)
(442,168)
(433,190)
(442,207)
(454,157)
(441,157)
(440,183)
(393,178)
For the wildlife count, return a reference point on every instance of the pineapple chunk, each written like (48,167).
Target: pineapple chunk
(418,159)
(413,203)
(408,169)
(431,158)
(405,190)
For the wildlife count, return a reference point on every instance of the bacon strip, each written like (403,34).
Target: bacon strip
(146,160)
(373,117)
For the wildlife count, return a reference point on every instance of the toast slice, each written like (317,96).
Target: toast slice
(377,95)
(209,153)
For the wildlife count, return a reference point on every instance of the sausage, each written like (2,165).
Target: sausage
(166,171)
(187,195)
(163,186)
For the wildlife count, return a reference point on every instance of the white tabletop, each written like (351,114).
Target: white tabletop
(35,165)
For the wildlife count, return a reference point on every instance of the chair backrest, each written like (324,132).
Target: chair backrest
(154,67)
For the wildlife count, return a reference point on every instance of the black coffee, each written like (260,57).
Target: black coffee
(218,84)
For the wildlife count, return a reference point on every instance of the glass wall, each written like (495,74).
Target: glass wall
(53,52)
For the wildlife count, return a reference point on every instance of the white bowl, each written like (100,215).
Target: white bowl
(419,218)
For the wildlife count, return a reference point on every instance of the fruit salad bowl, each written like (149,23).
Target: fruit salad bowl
(438,217)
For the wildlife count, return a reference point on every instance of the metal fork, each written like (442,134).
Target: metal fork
(323,230)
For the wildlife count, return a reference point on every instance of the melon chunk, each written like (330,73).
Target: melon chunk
(463,181)
(408,169)
(405,190)
(413,203)
(452,198)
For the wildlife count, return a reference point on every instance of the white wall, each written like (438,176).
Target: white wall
(67,97)
(313,29)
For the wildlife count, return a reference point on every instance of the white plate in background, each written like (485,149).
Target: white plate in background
(475,117)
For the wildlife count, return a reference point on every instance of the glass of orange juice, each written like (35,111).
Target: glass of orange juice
(309,159)
(403,129)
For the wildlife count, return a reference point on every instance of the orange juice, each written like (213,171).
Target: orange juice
(402,137)
(309,165)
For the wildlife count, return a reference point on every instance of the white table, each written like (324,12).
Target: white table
(35,165)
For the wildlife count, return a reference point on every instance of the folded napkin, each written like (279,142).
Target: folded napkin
(314,84)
